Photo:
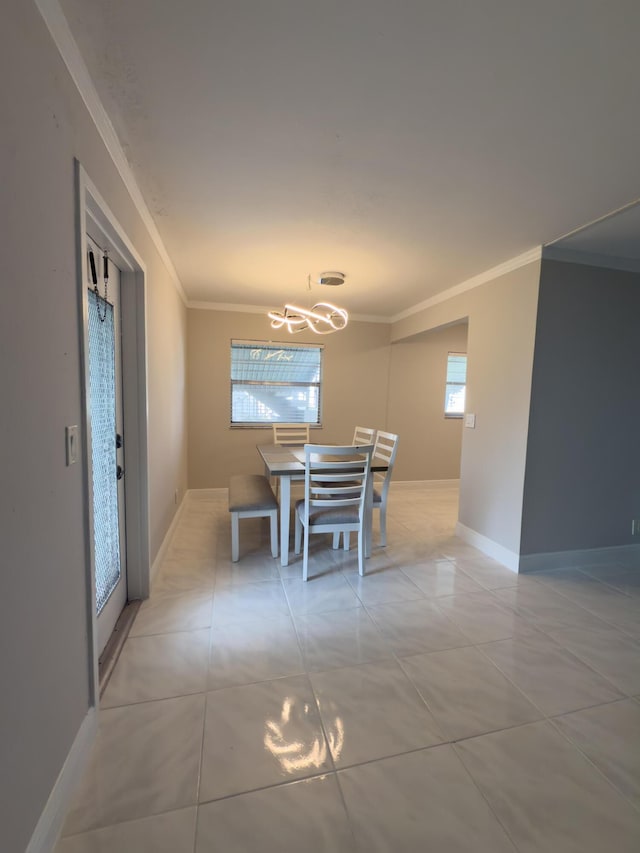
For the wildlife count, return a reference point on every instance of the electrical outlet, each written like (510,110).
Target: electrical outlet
(635,527)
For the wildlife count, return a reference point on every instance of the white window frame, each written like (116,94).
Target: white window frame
(275,346)
(449,383)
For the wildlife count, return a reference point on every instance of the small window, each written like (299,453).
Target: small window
(272,382)
(456,385)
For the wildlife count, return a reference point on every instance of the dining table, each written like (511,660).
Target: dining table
(286,462)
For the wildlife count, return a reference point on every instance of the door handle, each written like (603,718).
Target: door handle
(119,472)
(118,441)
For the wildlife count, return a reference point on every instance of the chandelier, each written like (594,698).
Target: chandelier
(322,319)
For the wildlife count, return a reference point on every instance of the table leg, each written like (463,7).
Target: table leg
(285,510)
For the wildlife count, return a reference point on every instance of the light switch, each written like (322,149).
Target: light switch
(470,421)
(71,441)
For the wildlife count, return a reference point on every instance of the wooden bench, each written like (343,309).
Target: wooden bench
(251,496)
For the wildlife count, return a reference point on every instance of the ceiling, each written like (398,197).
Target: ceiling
(411,144)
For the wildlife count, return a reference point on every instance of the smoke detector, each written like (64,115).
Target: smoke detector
(333,279)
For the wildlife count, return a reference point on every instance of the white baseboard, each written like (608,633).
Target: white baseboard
(162,550)
(492,549)
(525,563)
(573,559)
(207,494)
(214,494)
(49,826)
(423,484)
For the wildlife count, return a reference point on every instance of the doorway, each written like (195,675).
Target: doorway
(114,422)
(107,443)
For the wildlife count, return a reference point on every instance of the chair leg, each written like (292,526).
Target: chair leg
(360,551)
(336,539)
(347,540)
(298,535)
(274,532)
(383,525)
(305,558)
(235,544)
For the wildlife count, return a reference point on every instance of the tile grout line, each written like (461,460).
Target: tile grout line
(216,516)
(576,746)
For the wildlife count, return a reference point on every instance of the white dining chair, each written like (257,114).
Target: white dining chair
(290,435)
(386,447)
(364,435)
(294,435)
(335,483)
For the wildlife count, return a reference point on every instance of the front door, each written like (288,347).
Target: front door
(107,440)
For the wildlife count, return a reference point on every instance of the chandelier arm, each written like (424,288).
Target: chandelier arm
(323,319)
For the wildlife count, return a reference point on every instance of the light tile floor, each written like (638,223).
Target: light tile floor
(441,703)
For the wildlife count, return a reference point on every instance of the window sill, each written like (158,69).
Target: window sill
(268,426)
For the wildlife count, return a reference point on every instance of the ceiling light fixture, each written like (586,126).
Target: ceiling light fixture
(331,278)
(323,319)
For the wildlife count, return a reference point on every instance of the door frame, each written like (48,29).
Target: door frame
(94,215)
(116,599)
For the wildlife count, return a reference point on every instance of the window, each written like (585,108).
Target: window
(275,382)
(456,385)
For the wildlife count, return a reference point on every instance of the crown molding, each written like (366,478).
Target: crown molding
(59,28)
(471,283)
(590,259)
(369,318)
(228,306)
(263,309)
(609,215)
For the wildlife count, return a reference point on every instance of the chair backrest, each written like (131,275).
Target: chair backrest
(336,477)
(386,447)
(293,434)
(364,435)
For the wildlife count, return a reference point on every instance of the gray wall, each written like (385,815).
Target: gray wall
(430,444)
(582,485)
(355,382)
(43,621)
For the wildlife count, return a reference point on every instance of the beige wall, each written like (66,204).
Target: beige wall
(502,322)
(44,650)
(166,374)
(355,382)
(430,444)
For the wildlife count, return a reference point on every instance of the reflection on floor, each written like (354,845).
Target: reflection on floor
(440,703)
